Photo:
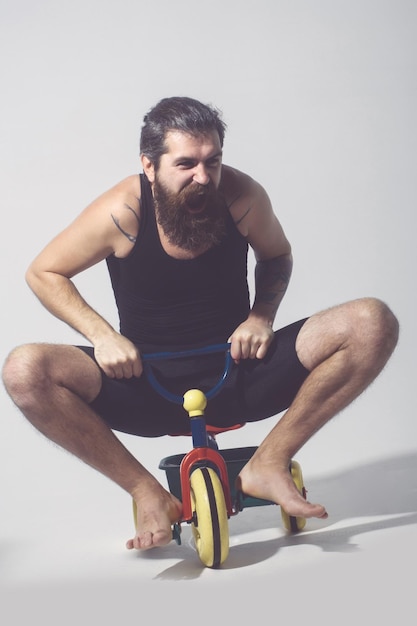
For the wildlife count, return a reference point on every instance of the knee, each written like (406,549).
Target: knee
(21,368)
(376,325)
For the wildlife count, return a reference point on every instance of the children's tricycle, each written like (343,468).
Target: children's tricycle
(204,479)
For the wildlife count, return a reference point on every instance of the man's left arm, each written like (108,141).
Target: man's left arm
(271,281)
(272,274)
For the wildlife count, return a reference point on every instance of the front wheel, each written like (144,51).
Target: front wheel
(291,523)
(210,520)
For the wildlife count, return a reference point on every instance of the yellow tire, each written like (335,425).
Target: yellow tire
(291,523)
(210,521)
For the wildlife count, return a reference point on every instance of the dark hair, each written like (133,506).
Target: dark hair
(178,113)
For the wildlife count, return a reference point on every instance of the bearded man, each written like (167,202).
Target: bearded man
(176,239)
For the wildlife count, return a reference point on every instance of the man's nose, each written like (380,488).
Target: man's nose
(201,175)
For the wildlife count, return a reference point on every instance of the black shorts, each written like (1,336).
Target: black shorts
(254,390)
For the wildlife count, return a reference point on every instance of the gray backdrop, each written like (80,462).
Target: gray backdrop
(320,101)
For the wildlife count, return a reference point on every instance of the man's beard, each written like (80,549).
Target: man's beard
(191,231)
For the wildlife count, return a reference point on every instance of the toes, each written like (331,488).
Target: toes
(142,542)
(147,540)
(316,510)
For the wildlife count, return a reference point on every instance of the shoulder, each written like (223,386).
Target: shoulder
(253,214)
(118,209)
(235,183)
(246,199)
(127,191)
(111,221)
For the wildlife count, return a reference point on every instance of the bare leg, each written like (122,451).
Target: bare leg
(52,385)
(344,349)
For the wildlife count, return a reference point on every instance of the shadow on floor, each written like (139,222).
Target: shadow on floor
(387,487)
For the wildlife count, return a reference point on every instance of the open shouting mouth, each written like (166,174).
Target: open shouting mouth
(197,202)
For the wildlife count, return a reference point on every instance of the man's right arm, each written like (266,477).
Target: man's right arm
(88,240)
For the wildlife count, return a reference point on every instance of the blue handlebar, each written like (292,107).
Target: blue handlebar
(161,356)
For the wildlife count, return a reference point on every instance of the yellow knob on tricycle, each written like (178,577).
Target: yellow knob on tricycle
(194,402)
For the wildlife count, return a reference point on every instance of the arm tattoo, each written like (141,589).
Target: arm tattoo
(240,219)
(243,216)
(131,238)
(271,279)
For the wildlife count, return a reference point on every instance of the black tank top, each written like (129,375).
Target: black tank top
(166,302)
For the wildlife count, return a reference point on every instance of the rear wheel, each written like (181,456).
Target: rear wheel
(291,523)
(210,521)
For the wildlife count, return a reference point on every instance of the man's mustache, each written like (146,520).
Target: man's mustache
(194,189)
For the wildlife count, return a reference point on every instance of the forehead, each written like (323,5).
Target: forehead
(178,143)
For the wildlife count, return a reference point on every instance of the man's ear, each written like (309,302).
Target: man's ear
(148,168)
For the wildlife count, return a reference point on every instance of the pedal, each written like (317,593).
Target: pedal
(176,533)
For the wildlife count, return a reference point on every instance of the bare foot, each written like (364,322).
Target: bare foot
(157,510)
(269,482)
